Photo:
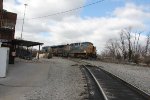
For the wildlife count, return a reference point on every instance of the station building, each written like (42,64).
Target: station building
(7,29)
(7,24)
(7,36)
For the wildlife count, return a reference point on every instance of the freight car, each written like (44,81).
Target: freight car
(77,50)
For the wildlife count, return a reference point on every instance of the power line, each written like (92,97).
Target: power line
(67,11)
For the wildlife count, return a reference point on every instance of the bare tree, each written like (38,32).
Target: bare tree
(137,43)
(147,44)
(127,33)
(129,47)
(112,47)
(123,46)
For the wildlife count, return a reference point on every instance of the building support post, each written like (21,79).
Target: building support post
(39,52)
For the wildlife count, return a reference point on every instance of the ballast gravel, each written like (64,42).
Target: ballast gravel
(64,83)
(47,79)
(138,76)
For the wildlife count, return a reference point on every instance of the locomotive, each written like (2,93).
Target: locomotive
(77,50)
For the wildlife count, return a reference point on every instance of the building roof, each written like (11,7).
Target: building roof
(24,43)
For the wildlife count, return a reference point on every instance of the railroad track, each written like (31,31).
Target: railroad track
(105,86)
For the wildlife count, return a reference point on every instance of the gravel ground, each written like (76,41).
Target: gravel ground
(54,79)
(136,75)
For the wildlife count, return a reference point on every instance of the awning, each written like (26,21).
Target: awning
(24,43)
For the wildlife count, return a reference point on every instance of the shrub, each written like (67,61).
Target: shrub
(136,58)
(147,60)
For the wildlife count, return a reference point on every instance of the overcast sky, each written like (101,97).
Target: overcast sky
(96,23)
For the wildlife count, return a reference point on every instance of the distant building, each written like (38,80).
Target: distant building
(7,24)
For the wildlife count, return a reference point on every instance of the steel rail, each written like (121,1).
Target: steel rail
(129,85)
(133,87)
(98,84)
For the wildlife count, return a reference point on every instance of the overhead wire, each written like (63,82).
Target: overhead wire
(63,12)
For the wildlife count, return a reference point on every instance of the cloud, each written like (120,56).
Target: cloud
(96,30)
(131,11)
(68,28)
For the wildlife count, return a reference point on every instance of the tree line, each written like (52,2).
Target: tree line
(128,47)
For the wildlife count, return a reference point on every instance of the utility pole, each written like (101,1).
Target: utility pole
(23,19)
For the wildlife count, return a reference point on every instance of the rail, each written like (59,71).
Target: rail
(98,84)
(113,88)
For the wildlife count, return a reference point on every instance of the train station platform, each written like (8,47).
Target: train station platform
(43,79)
